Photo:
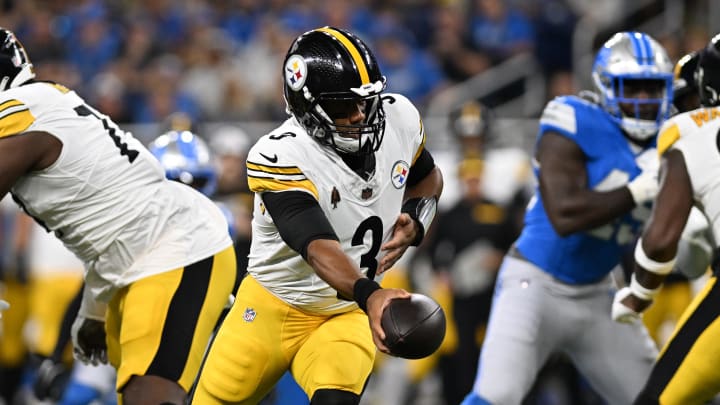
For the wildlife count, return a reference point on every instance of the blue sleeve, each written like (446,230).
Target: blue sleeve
(572,118)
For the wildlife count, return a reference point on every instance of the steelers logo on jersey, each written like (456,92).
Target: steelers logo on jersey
(295,72)
(399,173)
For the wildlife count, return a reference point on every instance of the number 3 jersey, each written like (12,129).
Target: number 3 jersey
(106,196)
(611,162)
(362,212)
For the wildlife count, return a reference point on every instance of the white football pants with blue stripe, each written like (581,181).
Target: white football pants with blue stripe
(535,315)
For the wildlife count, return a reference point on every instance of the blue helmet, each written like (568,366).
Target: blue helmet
(630,60)
(186,158)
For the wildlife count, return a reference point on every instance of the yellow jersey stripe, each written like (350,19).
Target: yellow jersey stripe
(61,88)
(16,122)
(8,104)
(261,184)
(667,138)
(273,169)
(357,58)
(422,144)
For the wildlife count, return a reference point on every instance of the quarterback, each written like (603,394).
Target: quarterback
(342,189)
(159,263)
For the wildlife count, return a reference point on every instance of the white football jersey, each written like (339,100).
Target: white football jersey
(696,134)
(361,212)
(106,196)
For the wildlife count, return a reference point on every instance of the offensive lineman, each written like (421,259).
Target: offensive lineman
(159,263)
(686,371)
(328,219)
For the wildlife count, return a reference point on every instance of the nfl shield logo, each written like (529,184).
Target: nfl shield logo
(249,315)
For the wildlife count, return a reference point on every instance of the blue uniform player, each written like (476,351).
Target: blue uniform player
(596,165)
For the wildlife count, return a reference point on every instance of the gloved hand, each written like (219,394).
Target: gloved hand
(645,186)
(52,377)
(88,337)
(626,307)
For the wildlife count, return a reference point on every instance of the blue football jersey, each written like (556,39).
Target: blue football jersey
(588,256)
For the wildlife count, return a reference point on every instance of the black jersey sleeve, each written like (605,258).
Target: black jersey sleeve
(298,218)
(423,165)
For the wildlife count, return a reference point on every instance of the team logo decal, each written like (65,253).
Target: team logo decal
(295,72)
(399,173)
(249,314)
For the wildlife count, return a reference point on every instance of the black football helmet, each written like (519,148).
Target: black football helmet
(708,73)
(327,71)
(685,89)
(15,66)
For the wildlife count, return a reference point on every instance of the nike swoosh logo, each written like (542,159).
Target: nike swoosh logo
(272,159)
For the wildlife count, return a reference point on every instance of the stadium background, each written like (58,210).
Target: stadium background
(219,61)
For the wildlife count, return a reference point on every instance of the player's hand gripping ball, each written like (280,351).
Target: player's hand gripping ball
(414,328)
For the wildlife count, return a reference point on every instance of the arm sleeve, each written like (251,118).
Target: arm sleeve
(422,166)
(298,218)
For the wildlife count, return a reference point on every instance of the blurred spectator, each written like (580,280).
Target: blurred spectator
(230,144)
(162,77)
(467,249)
(108,92)
(239,19)
(500,30)
(94,41)
(409,70)
(41,32)
(354,15)
(208,76)
(554,23)
(451,45)
(168,19)
(260,94)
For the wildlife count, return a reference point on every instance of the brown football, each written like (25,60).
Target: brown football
(414,328)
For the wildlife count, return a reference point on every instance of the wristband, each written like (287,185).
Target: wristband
(661,268)
(640,291)
(422,210)
(362,289)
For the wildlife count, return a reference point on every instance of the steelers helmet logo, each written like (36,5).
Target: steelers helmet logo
(295,72)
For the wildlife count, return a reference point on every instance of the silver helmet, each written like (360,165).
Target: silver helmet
(632,60)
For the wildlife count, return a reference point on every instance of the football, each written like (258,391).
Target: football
(414,327)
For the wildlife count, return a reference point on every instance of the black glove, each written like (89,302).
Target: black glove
(52,377)
(88,336)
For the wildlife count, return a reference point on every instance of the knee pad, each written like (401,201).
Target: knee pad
(334,397)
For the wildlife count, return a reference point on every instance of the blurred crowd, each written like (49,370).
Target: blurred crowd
(217,60)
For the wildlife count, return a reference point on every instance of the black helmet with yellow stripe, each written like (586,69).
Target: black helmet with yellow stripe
(330,74)
(15,66)
(685,88)
(708,73)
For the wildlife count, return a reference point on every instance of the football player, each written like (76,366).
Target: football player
(342,189)
(597,168)
(688,145)
(159,263)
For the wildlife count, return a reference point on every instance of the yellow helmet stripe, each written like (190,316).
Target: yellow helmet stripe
(357,58)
